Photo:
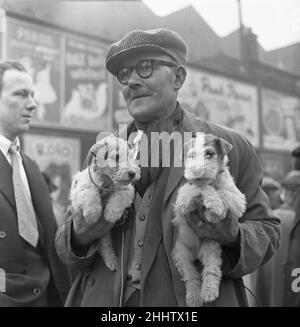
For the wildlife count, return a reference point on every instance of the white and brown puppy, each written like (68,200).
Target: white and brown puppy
(211,193)
(104,188)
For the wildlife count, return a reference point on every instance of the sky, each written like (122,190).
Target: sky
(275,22)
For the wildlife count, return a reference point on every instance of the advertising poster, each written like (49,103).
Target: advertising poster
(39,50)
(222,101)
(86,94)
(281,120)
(275,165)
(59,158)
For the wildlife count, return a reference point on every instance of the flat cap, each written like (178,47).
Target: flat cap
(161,39)
(292,180)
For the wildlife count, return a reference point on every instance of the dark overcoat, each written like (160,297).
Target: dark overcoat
(12,251)
(259,230)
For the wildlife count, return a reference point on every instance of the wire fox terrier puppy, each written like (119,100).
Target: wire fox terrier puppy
(211,193)
(105,187)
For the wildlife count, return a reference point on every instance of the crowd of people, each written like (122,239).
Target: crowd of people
(41,269)
(272,282)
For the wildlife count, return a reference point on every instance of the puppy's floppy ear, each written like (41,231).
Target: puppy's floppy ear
(93,153)
(130,145)
(98,152)
(96,147)
(223,147)
(93,160)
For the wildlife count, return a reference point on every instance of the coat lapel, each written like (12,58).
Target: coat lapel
(6,185)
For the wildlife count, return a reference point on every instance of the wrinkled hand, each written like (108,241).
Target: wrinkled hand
(226,232)
(83,233)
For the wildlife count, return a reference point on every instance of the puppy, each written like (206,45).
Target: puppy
(211,193)
(105,188)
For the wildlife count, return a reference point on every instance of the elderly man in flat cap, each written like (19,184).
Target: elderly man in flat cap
(149,66)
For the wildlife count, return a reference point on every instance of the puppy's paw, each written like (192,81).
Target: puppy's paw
(193,297)
(209,293)
(111,262)
(92,214)
(112,213)
(215,210)
(238,207)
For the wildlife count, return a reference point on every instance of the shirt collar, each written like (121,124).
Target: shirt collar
(5,143)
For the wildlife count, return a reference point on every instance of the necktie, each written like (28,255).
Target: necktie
(27,224)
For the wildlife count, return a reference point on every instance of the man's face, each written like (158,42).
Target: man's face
(16,103)
(151,98)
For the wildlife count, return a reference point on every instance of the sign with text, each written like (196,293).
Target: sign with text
(86,96)
(69,76)
(281,120)
(39,50)
(59,158)
(222,101)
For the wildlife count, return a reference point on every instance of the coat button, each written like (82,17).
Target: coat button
(92,281)
(36,291)
(140,243)
(138,266)
(142,217)
(2,234)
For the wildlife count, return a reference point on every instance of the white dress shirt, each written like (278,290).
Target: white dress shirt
(4,147)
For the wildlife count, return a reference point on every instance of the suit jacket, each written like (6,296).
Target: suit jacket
(59,276)
(259,237)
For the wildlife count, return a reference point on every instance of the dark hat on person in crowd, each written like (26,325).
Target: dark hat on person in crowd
(296,152)
(292,180)
(161,40)
(270,183)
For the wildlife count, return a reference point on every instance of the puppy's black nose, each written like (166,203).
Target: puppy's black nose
(131,174)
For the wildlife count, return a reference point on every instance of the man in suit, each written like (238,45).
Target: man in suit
(150,68)
(30,272)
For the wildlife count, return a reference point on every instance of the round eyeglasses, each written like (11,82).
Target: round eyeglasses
(143,68)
